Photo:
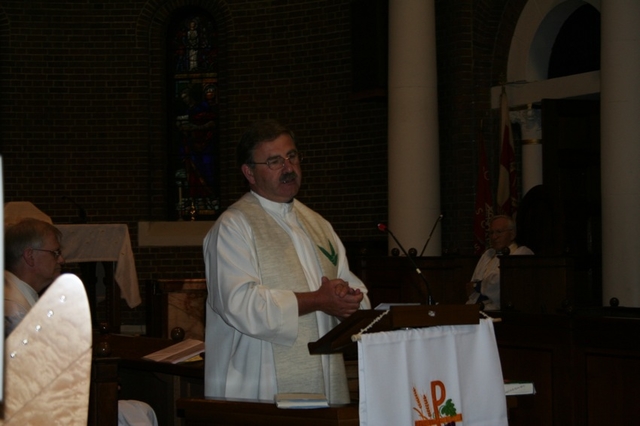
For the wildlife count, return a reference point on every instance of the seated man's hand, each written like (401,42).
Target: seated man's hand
(470,288)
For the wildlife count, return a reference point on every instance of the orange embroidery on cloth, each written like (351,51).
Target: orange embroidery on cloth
(444,411)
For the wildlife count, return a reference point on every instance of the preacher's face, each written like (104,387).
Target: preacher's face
(276,184)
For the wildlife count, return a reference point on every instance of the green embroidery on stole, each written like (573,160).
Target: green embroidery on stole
(333,256)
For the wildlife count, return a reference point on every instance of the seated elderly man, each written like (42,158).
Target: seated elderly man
(485,283)
(33,260)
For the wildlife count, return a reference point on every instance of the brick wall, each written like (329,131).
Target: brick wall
(83,110)
(473,41)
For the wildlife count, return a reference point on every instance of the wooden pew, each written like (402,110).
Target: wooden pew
(123,374)
(394,279)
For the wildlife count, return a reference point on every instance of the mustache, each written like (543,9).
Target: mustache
(288,177)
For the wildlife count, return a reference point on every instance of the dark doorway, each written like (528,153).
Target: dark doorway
(571,175)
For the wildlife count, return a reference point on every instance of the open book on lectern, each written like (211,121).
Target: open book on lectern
(396,318)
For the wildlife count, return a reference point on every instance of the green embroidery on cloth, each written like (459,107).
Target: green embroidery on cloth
(332,256)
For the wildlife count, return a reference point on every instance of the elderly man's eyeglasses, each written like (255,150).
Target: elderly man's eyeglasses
(498,232)
(56,253)
(276,163)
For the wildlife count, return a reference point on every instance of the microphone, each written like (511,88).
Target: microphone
(82,213)
(432,229)
(382,227)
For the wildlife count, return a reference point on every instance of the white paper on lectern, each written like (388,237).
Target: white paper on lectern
(406,376)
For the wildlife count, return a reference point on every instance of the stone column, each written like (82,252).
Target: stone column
(414,155)
(620,151)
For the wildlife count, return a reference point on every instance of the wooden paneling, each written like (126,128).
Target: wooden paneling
(538,349)
(532,284)
(176,303)
(124,375)
(218,412)
(395,279)
(584,365)
(536,284)
(103,399)
(611,380)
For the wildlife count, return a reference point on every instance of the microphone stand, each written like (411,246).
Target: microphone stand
(382,227)
(429,239)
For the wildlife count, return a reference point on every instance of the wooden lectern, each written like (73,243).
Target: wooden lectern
(399,317)
(227,412)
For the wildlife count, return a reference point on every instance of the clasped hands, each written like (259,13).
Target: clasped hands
(340,300)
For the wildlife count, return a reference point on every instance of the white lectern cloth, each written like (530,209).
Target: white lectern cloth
(432,376)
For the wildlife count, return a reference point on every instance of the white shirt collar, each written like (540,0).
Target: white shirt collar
(273,207)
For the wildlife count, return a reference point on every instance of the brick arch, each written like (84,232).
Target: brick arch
(534,34)
(150,33)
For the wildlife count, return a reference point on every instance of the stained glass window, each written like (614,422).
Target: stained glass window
(194,191)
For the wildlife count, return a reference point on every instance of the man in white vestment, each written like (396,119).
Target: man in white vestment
(277,278)
(485,283)
(33,260)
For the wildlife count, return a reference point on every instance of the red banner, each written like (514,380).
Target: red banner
(507,196)
(484,201)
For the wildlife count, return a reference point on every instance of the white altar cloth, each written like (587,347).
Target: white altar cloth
(104,243)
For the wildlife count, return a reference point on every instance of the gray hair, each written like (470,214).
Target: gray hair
(511,223)
(27,233)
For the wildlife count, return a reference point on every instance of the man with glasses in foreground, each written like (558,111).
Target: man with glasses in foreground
(277,278)
(33,260)
(485,283)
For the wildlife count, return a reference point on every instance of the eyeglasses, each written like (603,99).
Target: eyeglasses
(276,163)
(56,253)
(498,232)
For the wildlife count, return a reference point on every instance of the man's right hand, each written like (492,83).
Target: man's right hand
(334,297)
